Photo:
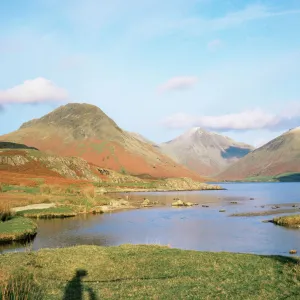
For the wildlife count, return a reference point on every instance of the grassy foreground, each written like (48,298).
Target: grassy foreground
(155,272)
(16,229)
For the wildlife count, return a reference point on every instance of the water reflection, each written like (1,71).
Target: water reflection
(196,228)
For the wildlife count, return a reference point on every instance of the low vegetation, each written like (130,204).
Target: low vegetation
(5,213)
(17,229)
(20,286)
(155,272)
(284,177)
(265,212)
(48,213)
(289,221)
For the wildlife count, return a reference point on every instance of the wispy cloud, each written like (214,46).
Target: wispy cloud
(246,120)
(72,61)
(178,83)
(33,91)
(159,25)
(214,44)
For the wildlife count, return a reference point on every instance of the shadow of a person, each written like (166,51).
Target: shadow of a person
(74,288)
(92,294)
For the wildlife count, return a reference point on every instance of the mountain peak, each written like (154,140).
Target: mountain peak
(294,130)
(204,151)
(79,120)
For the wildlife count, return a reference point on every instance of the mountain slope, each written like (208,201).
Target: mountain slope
(204,152)
(84,130)
(281,155)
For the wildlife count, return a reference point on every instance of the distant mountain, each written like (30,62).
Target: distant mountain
(205,152)
(279,156)
(85,131)
(142,138)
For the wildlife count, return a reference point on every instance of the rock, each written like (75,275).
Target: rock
(124,202)
(275,207)
(293,251)
(262,206)
(178,203)
(267,221)
(115,203)
(97,210)
(188,204)
(251,198)
(146,202)
(205,206)
(222,210)
(233,202)
(294,205)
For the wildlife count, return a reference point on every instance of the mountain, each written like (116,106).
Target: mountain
(142,138)
(205,152)
(279,156)
(85,131)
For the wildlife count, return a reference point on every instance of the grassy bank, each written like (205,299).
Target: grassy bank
(48,213)
(17,229)
(284,177)
(265,212)
(154,272)
(289,221)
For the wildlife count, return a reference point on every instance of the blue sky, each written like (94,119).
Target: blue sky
(156,67)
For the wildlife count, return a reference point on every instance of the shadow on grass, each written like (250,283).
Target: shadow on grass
(286,259)
(10,145)
(74,289)
(295,177)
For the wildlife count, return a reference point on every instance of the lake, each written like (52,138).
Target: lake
(195,228)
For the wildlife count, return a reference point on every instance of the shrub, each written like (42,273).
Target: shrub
(5,213)
(20,286)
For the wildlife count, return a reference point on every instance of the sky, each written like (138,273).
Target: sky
(157,67)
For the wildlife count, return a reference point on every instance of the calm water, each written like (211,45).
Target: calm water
(187,228)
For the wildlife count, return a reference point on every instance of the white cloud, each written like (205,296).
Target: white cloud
(246,120)
(179,83)
(214,44)
(33,91)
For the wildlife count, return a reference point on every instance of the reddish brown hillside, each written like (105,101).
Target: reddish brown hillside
(83,130)
(279,156)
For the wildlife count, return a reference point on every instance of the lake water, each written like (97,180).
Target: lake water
(196,228)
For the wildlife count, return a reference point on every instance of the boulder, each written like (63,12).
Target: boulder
(178,203)
(146,202)
(188,204)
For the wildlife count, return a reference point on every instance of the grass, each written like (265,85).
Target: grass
(265,212)
(136,185)
(284,177)
(156,272)
(48,213)
(20,286)
(5,213)
(25,189)
(289,221)
(17,229)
